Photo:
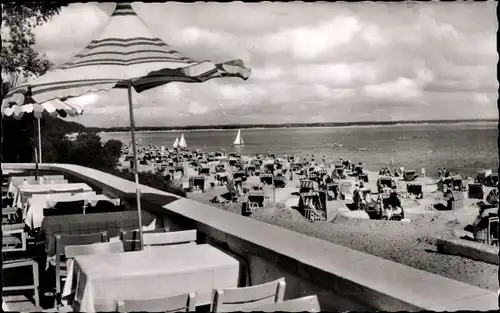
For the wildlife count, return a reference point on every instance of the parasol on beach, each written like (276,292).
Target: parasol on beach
(126,55)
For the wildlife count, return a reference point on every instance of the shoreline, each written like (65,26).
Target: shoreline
(301,127)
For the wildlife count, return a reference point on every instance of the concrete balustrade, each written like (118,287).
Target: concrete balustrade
(343,279)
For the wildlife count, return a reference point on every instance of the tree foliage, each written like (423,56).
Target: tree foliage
(18,40)
(20,61)
(153,180)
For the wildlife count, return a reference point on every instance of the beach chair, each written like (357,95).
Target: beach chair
(304,304)
(236,299)
(493,231)
(415,188)
(410,175)
(475,191)
(61,242)
(179,303)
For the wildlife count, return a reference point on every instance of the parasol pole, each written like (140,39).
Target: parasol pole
(134,149)
(36,165)
(39,140)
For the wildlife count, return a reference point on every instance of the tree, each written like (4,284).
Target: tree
(18,41)
(20,61)
(113,147)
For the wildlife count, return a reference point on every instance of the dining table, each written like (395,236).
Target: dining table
(24,192)
(37,203)
(152,273)
(15,181)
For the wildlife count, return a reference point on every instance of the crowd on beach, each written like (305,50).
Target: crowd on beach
(431,206)
(244,178)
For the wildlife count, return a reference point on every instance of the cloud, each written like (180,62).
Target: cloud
(310,61)
(400,88)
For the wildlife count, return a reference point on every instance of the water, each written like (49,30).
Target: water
(465,148)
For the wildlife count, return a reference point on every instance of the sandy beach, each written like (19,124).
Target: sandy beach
(409,243)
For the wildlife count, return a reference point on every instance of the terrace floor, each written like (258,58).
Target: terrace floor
(19,303)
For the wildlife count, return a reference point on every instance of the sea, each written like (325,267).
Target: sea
(465,148)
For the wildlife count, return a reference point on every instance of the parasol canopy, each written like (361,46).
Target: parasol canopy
(125,55)
(125,52)
(55,107)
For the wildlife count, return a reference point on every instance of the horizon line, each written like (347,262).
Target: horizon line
(304,124)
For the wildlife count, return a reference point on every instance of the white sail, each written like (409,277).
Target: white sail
(176,142)
(182,142)
(239,139)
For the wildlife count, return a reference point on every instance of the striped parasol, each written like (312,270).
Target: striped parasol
(126,55)
(55,107)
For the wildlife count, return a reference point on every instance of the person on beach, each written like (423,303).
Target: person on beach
(422,172)
(401,170)
(395,204)
(448,196)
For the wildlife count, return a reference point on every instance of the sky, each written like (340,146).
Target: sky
(311,62)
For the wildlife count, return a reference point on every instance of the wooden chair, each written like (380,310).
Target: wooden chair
(14,240)
(95,248)
(170,238)
(17,263)
(304,304)
(235,299)
(180,303)
(61,242)
(157,237)
(53,177)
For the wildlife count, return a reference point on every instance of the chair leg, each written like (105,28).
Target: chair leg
(36,283)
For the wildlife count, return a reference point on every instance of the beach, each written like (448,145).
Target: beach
(410,242)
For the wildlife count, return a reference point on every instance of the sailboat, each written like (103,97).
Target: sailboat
(238,141)
(182,142)
(176,143)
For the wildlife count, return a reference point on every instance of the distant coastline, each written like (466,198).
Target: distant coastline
(286,125)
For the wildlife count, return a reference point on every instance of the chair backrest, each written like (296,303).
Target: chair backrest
(13,240)
(53,177)
(169,238)
(180,303)
(94,248)
(304,304)
(131,240)
(234,299)
(62,241)
(56,181)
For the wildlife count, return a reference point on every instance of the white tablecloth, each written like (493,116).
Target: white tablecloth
(26,191)
(36,204)
(18,180)
(152,273)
